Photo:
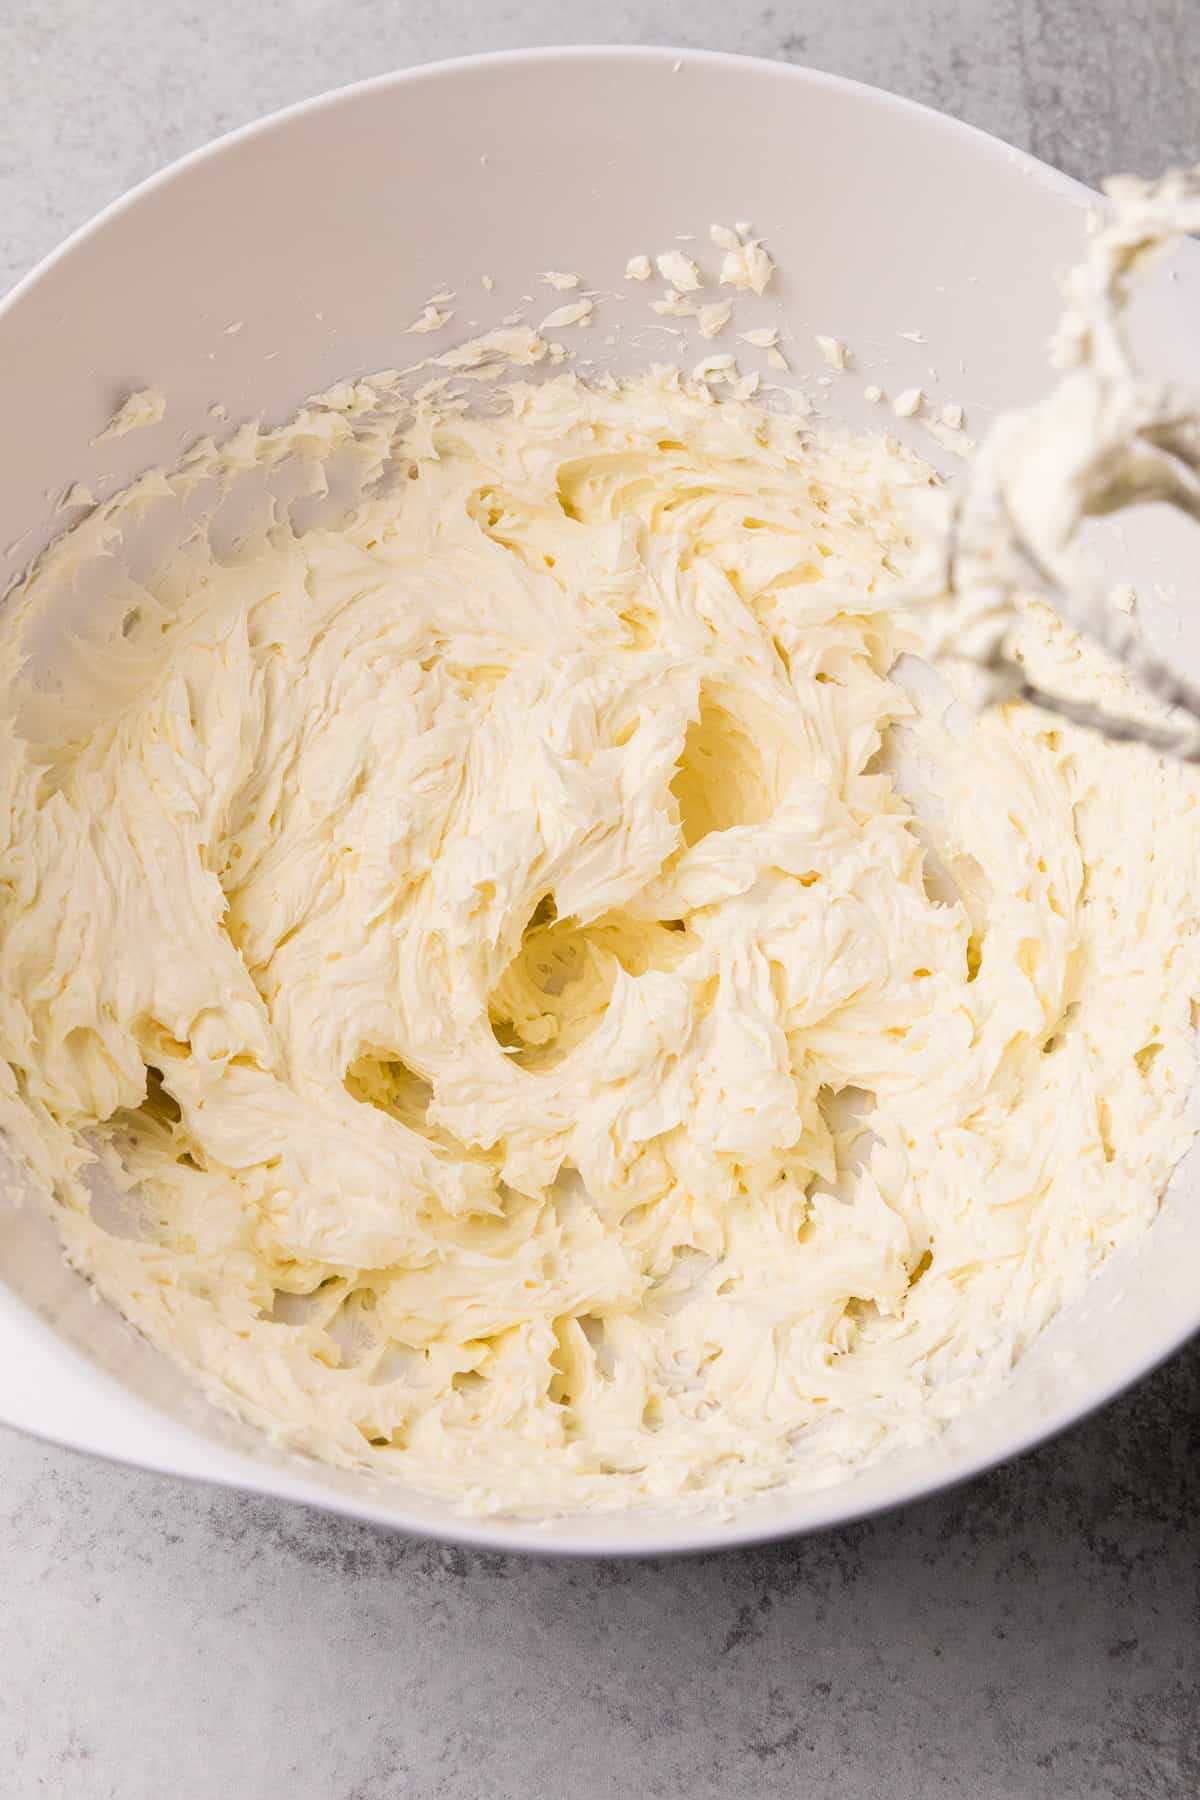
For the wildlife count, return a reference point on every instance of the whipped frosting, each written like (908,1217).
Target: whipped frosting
(526,986)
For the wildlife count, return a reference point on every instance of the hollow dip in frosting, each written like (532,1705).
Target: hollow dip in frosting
(570,1026)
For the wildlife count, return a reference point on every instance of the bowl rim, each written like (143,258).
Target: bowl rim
(448,68)
(658,1537)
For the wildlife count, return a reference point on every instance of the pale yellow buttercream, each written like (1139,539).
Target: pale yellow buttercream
(574,1028)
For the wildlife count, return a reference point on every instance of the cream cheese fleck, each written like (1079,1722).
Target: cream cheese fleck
(137,411)
(832,350)
(674,305)
(679,270)
(576,312)
(746,264)
(713,319)
(431,318)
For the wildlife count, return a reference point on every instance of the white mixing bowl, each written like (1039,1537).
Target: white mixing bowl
(320,233)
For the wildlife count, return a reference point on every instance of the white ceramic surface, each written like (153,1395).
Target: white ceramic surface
(320,233)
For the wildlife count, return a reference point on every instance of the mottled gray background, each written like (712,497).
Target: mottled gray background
(1037,1633)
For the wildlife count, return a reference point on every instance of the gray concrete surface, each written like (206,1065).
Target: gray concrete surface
(1034,1634)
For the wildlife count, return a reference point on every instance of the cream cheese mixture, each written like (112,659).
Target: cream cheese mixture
(570,1022)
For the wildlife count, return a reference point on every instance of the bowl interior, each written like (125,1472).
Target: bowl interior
(297,252)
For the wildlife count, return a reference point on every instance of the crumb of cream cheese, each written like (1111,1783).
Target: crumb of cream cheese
(431,318)
(679,270)
(763,337)
(674,305)
(714,317)
(143,408)
(906,405)
(746,263)
(576,312)
(833,351)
